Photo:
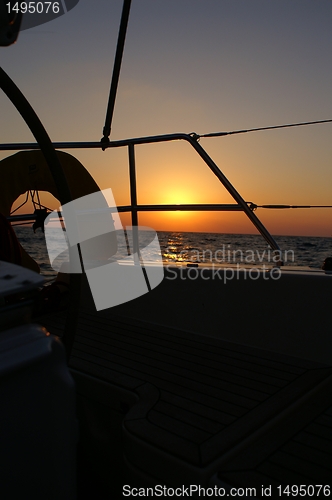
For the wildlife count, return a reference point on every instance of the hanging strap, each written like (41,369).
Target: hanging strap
(116,71)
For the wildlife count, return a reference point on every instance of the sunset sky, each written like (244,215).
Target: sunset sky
(191,65)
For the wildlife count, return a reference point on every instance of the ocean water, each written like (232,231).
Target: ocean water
(205,248)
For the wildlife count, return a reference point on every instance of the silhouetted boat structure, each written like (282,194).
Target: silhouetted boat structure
(218,383)
(201,383)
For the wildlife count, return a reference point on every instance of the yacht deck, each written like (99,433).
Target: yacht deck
(205,404)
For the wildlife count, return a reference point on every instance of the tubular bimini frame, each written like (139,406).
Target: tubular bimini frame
(134,208)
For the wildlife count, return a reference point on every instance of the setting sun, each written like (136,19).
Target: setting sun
(177,196)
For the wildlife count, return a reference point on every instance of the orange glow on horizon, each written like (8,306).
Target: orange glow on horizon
(261,73)
(301,222)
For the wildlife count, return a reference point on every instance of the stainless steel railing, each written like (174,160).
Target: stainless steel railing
(134,208)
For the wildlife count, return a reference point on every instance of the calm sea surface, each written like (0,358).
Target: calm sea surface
(206,247)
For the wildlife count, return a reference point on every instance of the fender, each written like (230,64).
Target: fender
(28,170)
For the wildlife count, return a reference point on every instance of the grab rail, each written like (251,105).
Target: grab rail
(134,208)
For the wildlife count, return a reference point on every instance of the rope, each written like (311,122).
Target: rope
(253,206)
(301,124)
